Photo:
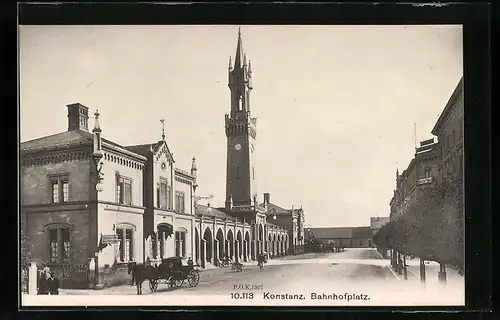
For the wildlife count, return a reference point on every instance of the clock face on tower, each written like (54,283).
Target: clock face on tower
(237,147)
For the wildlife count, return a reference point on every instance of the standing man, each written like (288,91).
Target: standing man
(53,284)
(42,282)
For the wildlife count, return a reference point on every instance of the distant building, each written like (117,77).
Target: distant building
(292,219)
(378,222)
(433,160)
(87,202)
(349,237)
(422,172)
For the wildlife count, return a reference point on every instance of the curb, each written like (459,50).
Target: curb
(393,272)
(418,277)
(379,255)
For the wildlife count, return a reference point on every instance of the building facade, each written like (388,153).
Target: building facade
(347,237)
(449,129)
(89,206)
(169,217)
(422,172)
(378,222)
(433,160)
(243,228)
(64,215)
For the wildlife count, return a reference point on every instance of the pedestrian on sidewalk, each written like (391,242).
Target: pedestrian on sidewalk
(42,282)
(400,265)
(53,284)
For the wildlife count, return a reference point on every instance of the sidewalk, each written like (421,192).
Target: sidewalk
(453,278)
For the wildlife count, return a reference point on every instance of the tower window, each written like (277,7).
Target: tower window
(240,104)
(59,188)
(237,172)
(427,173)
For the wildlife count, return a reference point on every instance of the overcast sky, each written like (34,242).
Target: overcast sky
(335,104)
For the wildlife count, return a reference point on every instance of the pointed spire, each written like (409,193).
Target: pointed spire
(249,66)
(193,166)
(244,59)
(97,127)
(230,63)
(193,173)
(162,129)
(238,59)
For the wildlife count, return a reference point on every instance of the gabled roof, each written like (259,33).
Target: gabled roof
(331,233)
(142,149)
(147,149)
(362,232)
(242,208)
(450,105)
(277,209)
(68,139)
(201,209)
(342,233)
(58,140)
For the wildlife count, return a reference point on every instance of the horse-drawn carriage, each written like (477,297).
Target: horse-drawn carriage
(172,271)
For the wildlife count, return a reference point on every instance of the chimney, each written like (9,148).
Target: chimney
(78,117)
(267,198)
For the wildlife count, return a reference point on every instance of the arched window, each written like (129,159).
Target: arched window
(237,172)
(180,243)
(240,103)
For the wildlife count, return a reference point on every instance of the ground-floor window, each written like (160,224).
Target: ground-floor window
(162,238)
(124,247)
(180,243)
(60,245)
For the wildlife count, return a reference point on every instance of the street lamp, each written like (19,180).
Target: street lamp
(99,184)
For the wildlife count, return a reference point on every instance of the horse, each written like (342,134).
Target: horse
(237,267)
(139,273)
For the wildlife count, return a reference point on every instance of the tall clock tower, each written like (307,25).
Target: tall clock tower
(241,133)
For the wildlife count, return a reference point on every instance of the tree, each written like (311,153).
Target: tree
(25,259)
(450,224)
(432,227)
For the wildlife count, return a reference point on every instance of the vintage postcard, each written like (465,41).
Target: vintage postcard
(253,165)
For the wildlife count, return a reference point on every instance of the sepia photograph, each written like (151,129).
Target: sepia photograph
(241,165)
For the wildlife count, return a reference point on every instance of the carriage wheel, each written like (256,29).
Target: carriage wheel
(153,285)
(193,278)
(178,283)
